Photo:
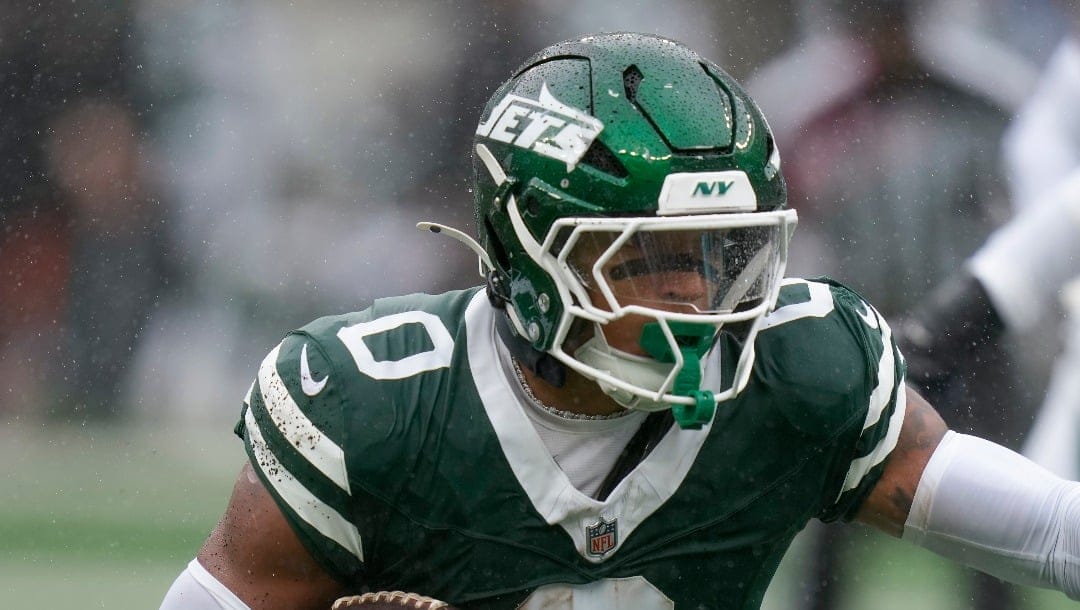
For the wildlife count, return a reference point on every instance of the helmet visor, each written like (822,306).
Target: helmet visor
(691,270)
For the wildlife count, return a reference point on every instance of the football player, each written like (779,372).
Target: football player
(635,411)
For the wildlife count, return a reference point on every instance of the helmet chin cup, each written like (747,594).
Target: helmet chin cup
(636,370)
(654,374)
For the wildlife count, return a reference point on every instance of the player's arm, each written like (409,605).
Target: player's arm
(977,503)
(253,559)
(889,502)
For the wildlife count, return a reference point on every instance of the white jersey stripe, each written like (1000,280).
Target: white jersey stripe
(312,510)
(859,467)
(886,373)
(302,434)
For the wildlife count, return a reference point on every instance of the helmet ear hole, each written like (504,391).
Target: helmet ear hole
(532,206)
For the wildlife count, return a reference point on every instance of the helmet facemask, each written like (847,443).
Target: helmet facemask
(658,292)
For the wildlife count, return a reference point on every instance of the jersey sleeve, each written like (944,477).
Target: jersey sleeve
(878,411)
(292,424)
(341,410)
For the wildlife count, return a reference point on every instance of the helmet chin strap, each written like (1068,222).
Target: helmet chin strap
(693,340)
(543,364)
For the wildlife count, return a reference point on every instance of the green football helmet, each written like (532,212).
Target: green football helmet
(624,175)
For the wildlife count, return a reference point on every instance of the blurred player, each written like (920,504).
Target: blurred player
(1027,268)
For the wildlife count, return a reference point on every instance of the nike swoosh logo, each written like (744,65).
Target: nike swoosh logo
(309,385)
(867,315)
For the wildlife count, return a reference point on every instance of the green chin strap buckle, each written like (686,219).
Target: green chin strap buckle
(693,341)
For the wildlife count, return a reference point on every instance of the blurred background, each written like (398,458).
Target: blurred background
(181,183)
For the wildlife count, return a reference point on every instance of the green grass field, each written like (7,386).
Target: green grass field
(106,518)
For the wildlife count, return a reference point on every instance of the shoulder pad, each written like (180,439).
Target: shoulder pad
(821,352)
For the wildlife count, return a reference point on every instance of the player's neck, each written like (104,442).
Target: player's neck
(578,395)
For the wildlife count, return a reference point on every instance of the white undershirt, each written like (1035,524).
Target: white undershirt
(585,449)
(197,589)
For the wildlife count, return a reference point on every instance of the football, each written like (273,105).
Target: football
(391,600)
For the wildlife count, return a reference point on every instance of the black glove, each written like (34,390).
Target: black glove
(954,321)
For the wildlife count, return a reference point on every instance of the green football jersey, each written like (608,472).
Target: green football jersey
(395,443)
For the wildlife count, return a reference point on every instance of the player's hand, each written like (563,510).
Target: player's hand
(391,600)
(952,324)
(930,360)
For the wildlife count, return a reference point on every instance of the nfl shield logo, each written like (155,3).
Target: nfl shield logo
(602,536)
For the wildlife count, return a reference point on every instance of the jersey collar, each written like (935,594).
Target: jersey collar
(638,496)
